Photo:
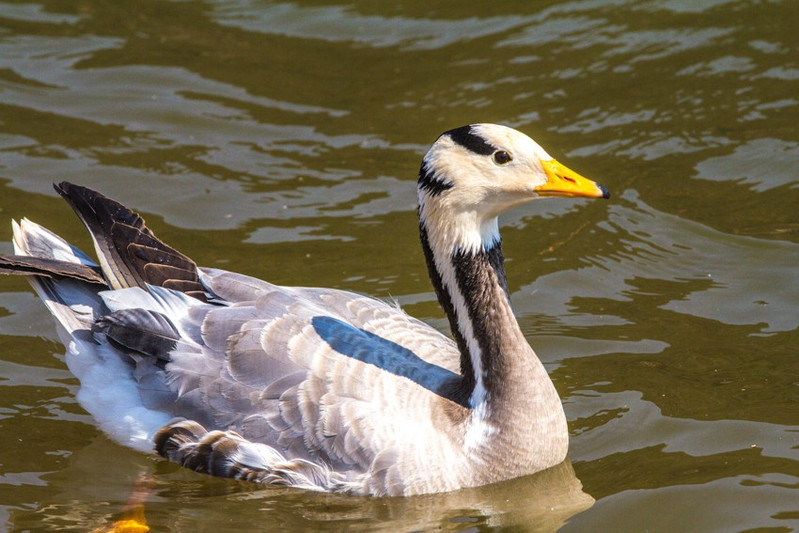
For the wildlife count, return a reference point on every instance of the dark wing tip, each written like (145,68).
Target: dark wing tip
(134,255)
(67,189)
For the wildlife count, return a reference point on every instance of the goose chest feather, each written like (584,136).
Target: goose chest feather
(319,389)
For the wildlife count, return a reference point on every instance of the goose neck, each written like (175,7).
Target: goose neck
(469,278)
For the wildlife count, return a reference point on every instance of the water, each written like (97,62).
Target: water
(283,139)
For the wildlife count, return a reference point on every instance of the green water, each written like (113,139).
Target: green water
(282,140)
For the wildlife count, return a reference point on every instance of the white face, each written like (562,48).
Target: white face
(500,171)
(473,174)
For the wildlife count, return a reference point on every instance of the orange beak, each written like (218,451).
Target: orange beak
(562,181)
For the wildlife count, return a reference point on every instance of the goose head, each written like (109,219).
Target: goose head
(473,174)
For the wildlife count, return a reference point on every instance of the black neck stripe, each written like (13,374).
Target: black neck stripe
(465,137)
(466,386)
(478,276)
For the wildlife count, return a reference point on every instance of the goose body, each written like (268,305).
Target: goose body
(320,389)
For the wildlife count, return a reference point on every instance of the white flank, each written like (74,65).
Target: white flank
(108,389)
(109,392)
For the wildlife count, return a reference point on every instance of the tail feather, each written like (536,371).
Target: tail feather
(130,254)
(65,278)
(51,268)
(101,327)
(37,241)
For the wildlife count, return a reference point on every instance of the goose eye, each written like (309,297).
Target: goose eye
(501,157)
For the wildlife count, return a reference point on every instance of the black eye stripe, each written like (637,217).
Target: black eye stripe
(471,141)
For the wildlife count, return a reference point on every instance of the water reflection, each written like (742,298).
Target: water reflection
(283,140)
(101,478)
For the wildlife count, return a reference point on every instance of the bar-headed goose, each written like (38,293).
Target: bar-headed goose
(317,388)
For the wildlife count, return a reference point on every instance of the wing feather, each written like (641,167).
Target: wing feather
(322,375)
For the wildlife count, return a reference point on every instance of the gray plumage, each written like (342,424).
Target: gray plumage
(316,388)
